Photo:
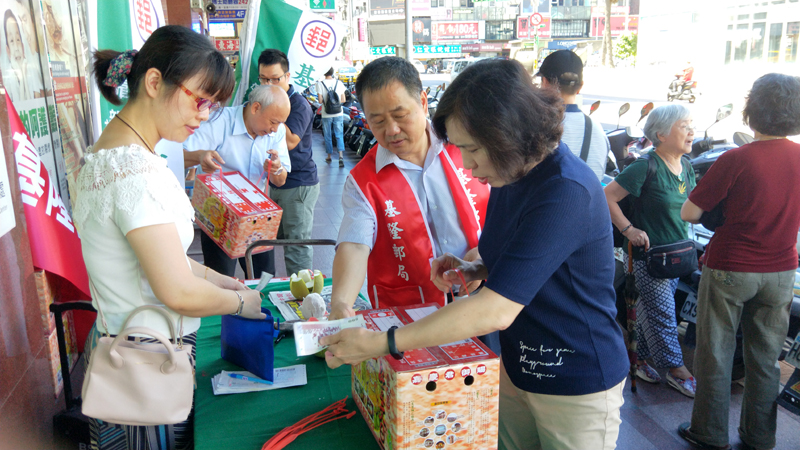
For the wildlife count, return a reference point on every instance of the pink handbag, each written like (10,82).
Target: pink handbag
(136,383)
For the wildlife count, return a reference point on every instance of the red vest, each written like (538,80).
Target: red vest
(399,267)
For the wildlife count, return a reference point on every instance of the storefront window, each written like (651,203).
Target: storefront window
(741,39)
(757,40)
(500,31)
(775,31)
(570,28)
(728,52)
(792,31)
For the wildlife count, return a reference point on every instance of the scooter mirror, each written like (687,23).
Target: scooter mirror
(594,107)
(622,110)
(428,90)
(645,111)
(741,139)
(724,111)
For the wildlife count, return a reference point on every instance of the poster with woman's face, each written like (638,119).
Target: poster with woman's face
(19,62)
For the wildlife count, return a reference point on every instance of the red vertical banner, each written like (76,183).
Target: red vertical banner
(55,245)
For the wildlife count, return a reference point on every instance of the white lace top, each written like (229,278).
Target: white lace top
(119,190)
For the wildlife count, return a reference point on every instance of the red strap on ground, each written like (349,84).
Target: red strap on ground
(286,436)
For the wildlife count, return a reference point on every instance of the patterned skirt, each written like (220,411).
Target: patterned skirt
(112,436)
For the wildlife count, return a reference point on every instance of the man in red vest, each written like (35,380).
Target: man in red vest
(408,201)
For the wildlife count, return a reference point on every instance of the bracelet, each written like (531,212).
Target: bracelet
(241,303)
(392,345)
(622,231)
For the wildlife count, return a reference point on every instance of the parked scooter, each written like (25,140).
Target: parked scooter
(433,100)
(681,90)
(627,143)
(706,150)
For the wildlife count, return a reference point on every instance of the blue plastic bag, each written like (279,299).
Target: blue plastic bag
(248,343)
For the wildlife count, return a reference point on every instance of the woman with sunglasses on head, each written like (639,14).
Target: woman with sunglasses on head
(133,215)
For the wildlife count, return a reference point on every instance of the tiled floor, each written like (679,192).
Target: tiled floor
(650,418)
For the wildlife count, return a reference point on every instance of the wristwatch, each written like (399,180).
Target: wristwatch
(392,346)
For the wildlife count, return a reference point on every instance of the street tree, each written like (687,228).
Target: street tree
(608,49)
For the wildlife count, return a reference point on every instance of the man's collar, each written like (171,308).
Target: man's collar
(384,157)
(571,107)
(291,90)
(238,122)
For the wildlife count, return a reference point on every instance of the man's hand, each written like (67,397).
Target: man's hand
(354,345)
(211,161)
(273,162)
(340,311)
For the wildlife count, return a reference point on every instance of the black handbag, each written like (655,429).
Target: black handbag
(672,260)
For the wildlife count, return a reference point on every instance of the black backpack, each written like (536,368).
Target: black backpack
(629,204)
(332,103)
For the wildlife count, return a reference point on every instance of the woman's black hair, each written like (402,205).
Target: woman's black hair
(773,106)
(500,108)
(383,71)
(179,54)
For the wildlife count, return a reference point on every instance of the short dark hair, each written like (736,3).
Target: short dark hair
(516,122)
(329,73)
(179,54)
(773,106)
(272,56)
(383,71)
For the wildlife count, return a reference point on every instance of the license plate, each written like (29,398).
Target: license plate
(689,310)
(793,357)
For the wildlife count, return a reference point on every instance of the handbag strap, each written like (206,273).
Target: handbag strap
(162,311)
(587,137)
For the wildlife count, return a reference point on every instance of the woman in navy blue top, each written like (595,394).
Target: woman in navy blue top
(548,265)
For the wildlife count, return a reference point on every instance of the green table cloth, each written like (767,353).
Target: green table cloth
(246,421)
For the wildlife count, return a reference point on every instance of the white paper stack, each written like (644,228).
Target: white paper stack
(283,377)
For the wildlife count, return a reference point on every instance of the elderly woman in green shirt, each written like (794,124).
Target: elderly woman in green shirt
(657,221)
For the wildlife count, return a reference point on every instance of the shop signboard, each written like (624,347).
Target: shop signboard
(322,5)
(383,51)
(619,25)
(231,4)
(470,48)
(458,31)
(422,29)
(421,8)
(226,15)
(387,9)
(526,29)
(362,29)
(309,40)
(227,45)
(438,51)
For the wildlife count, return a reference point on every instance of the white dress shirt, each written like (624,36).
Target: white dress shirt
(227,134)
(430,186)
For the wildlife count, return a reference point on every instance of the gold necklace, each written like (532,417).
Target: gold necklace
(137,134)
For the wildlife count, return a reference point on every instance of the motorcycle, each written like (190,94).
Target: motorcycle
(627,143)
(681,90)
(706,150)
(433,100)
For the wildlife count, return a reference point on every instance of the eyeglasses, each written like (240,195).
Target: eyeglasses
(214,108)
(687,128)
(265,80)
